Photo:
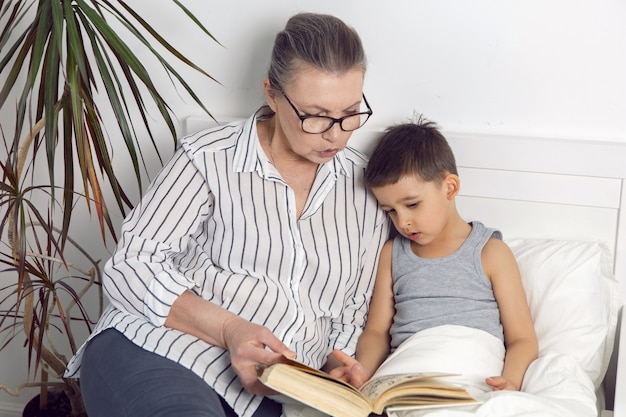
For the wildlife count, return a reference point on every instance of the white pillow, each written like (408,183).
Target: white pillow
(573,299)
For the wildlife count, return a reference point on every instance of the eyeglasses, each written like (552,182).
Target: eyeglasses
(321,124)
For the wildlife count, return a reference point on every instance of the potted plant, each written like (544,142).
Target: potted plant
(66,67)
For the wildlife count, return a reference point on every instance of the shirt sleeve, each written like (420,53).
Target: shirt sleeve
(141,277)
(349,326)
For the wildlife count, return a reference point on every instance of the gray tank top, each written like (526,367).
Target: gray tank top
(449,290)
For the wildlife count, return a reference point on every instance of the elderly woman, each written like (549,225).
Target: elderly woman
(256,240)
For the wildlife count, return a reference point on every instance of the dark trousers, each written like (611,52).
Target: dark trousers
(119,379)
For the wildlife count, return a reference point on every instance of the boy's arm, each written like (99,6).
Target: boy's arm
(519,334)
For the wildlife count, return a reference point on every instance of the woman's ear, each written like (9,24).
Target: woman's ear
(452,184)
(270,94)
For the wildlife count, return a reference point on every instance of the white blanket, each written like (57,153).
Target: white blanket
(554,385)
(471,353)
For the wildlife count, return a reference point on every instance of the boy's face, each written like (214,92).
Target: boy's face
(419,210)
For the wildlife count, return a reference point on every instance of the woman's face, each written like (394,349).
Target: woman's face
(314,92)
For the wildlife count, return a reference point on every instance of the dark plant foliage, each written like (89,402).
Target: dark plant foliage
(65,64)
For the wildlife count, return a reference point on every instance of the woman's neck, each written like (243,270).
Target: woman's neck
(298,172)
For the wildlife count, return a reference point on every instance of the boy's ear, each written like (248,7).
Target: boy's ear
(452,184)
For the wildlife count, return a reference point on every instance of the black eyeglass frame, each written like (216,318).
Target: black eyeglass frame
(332,120)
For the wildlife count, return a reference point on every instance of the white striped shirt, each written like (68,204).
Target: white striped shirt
(219,221)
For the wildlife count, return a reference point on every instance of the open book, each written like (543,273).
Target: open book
(329,395)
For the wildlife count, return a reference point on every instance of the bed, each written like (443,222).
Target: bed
(561,205)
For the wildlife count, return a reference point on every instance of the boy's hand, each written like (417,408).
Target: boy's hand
(351,370)
(499,383)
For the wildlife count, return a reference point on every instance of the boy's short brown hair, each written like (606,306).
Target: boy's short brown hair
(416,148)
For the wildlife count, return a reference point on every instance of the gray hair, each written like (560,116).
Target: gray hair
(320,40)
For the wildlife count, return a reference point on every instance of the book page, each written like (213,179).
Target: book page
(375,387)
(413,390)
(427,409)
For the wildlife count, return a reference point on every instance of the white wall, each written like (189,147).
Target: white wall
(545,68)
(529,67)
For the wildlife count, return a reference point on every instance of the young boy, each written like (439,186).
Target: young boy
(445,271)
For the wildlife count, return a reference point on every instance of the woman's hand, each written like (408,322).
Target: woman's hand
(350,370)
(499,383)
(246,342)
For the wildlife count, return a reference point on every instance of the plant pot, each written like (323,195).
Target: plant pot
(58,406)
